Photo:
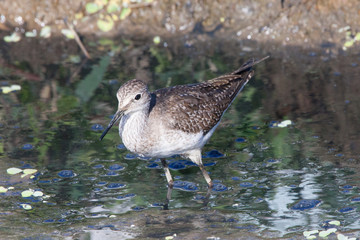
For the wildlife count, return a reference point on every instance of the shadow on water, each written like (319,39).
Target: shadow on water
(270,180)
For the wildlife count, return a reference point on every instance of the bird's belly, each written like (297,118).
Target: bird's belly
(177,142)
(158,141)
(167,144)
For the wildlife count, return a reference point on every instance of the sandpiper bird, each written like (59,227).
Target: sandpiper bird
(177,120)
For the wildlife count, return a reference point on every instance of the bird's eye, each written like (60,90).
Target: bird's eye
(138,96)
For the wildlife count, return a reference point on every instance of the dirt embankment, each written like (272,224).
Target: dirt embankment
(308,22)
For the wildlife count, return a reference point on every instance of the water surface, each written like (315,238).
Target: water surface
(271,181)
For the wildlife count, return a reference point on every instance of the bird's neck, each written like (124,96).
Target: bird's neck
(132,128)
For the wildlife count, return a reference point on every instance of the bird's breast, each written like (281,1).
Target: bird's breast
(131,131)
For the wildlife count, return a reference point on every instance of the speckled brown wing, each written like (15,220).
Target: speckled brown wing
(199,107)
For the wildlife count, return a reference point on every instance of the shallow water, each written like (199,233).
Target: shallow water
(271,181)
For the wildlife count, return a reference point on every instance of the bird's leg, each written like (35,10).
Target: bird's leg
(167,173)
(195,156)
(170,183)
(168,198)
(207,197)
(206,175)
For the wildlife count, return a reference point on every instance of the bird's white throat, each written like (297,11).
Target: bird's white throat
(131,129)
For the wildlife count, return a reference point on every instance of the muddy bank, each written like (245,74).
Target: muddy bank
(306,23)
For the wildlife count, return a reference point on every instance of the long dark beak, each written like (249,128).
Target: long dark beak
(116,117)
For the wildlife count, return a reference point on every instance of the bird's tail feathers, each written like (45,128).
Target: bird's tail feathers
(246,66)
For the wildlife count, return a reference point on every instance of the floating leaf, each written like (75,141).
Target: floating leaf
(125,12)
(26,206)
(28,171)
(46,196)
(308,233)
(284,123)
(68,33)
(5,89)
(92,8)
(27,193)
(105,25)
(13,171)
(3,189)
(45,32)
(38,194)
(335,222)
(14,37)
(342,237)
(326,233)
(15,87)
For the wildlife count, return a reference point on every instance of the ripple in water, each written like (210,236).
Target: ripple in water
(240,140)
(153,166)
(306,204)
(177,165)
(213,154)
(97,127)
(218,187)
(116,167)
(115,185)
(66,174)
(346,209)
(246,184)
(27,146)
(187,186)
